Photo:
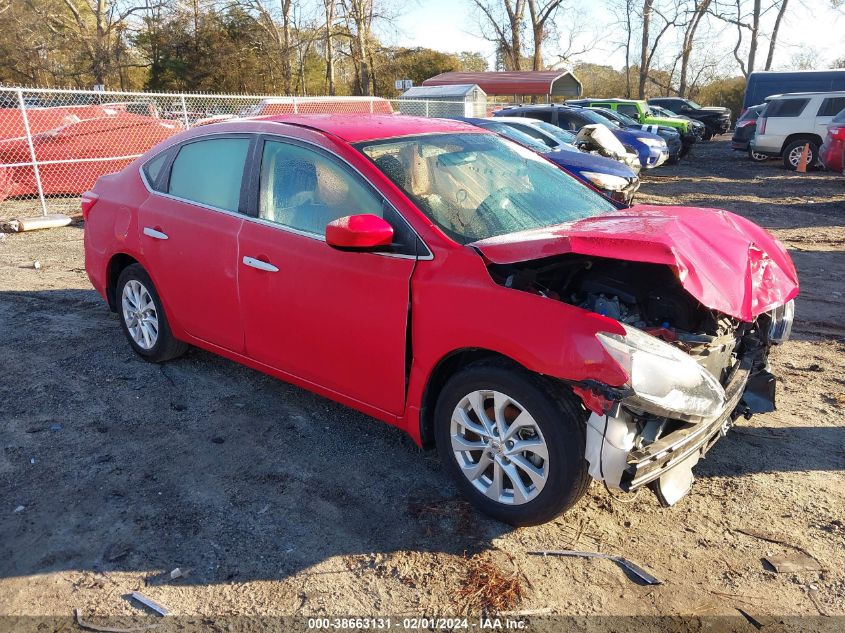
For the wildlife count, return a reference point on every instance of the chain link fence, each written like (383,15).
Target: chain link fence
(54,144)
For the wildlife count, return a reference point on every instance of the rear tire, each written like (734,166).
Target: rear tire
(142,317)
(757,157)
(540,473)
(792,153)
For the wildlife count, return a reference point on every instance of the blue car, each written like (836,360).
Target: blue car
(651,149)
(615,180)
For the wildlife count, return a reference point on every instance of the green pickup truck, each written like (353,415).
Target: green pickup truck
(637,110)
(640,112)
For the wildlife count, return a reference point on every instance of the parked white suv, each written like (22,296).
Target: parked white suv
(791,121)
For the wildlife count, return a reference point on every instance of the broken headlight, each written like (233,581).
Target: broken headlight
(665,380)
(780,326)
(606,181)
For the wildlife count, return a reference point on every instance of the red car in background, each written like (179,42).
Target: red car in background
(450,282)
(74,145)
(832,151)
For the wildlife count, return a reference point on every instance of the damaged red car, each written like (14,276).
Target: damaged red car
(452,283)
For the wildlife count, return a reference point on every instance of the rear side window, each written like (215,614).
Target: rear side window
(630,110)
(540,115)
(786,107)
(152,170)
(210,172)
(832,106)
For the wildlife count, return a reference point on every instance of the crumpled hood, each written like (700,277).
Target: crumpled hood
(725,261)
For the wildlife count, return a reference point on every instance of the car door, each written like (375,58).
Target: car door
(189,236)
(333,318)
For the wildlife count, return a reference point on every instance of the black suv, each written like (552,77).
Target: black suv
(716,120)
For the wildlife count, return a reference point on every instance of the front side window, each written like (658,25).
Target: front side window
(304,189)
(540,115)
(210,172)
(476,186)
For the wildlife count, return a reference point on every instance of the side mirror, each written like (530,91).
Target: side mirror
(363,232)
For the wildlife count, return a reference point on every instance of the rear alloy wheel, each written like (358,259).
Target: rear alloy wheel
(512,441)
(757,157)
(142,317)
(792,154)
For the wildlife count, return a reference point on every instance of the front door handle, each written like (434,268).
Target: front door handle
(260,265)
(154,233)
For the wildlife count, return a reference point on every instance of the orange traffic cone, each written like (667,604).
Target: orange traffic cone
(805,156)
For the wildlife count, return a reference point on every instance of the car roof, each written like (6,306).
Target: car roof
(514,119)
(354,128)
(818,93)
(614,100)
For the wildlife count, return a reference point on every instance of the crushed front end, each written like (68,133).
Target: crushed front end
(692,371)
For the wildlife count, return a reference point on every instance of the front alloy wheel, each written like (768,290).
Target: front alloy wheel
(512,441)
(499,447)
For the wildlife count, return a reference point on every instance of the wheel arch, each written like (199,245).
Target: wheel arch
(445,368)
(116,265)
(809,136)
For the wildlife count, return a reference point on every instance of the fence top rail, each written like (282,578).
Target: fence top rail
(169,95)
(203,95)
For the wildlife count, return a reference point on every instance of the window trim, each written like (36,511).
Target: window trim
(250,196)
(348,168)
(164,177)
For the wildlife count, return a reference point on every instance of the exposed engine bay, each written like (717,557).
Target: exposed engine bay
(631,442)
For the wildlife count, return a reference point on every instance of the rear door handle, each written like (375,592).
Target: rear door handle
(153,233)
(260,265)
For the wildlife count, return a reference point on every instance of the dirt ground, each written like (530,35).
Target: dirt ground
(113,470)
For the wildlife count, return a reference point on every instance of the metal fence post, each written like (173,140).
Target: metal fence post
(295,107)
(426,108)
(22,106)
(185,112)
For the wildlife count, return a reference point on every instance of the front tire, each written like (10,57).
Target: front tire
(142,317)
(512,441)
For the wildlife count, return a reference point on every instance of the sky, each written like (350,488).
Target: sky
(452,26)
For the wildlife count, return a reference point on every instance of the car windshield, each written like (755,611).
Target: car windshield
(623,118)
(839,118)
(608,116)
(508,131)
(475,185)
(561,136)
(593,117)
(693,105)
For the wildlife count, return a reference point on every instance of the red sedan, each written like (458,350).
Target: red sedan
(450,282)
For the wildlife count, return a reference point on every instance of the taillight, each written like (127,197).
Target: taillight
(761,125)
(838,133)
(746,123)
(88,200)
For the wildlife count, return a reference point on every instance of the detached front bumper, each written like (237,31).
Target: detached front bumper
(655,460)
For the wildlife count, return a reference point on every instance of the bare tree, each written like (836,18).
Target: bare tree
(648,6)
(328,48)
(359,18)
(748,21)
(276,22)
(541,13)
(96,25)
(502,24)
(696,14)
(774,37)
